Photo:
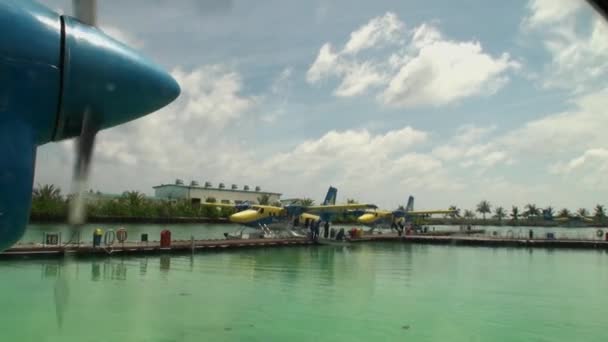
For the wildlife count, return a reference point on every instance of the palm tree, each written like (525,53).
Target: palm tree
(531,211)
(307,202)
(582,212)
(599,213)
(514,213)
(47,192)
(548,213)
(565,213)
(351,201)
(499,213)
(484,207)
(455,211)
(133,198)
(264,199)
(469,214)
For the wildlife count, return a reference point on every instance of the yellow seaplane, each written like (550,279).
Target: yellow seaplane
(399,218)
(289,218)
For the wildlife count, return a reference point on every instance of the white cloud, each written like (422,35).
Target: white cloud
(378,31)
(473,147)
(596,156)
(210,95)
(279,93)
(358,78)
(183,139)
(325,64)
(576,39)
(589,169)
(547,12)
(581,128)
(421,67)
(446,71)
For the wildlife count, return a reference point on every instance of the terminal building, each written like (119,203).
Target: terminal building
(221,194)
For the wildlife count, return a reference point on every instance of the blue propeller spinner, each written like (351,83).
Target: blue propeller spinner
(58,76)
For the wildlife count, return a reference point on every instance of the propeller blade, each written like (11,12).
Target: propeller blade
(84,153)
(85,144)
(85,11)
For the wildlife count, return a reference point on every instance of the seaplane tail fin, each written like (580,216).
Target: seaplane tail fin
(330,198)
(410,204)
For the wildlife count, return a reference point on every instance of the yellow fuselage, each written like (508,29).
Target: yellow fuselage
(266,214)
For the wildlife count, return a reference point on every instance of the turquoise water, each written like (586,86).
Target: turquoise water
(381,292)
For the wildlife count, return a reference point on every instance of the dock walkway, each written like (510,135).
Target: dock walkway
(155,247)
(487,241)
(148,247)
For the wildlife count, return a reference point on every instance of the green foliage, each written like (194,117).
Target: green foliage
(582,212)
(351,201)
(565,213)
(307,202)
(599,213)
(469,214)
(264,199)
(499,213)
(531,211)
(548,213)
(484,207)
(455,211)
(47,201)
(514,213)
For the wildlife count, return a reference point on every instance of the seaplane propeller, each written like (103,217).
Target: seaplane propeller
(105,84)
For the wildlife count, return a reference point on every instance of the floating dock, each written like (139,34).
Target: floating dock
(155,247)
(486,241)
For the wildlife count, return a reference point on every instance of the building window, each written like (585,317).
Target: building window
(226,201)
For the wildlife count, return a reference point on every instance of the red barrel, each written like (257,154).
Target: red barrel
(165,238)
(121,235)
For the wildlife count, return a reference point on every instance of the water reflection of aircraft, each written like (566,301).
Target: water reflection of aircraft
(399,218)
(293,216)
(62,78)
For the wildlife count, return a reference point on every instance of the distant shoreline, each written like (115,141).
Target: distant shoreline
(428,222)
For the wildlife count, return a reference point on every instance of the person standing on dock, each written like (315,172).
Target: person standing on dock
(326,230)
(317,226)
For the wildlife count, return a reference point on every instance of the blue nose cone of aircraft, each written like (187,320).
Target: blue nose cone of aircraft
(108,80)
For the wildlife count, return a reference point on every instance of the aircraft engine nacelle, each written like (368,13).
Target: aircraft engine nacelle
(53,70)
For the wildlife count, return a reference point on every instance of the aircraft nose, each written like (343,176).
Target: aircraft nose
(107,79)
(366,218)
(243,216)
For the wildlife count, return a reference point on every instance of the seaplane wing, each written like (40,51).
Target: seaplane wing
(425,212)
(372,216)
(219,205)
(337,208)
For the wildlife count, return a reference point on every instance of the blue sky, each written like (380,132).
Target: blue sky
(454,104)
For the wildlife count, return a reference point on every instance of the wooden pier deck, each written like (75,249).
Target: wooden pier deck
(147,248)
(188,246)
(486,241)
